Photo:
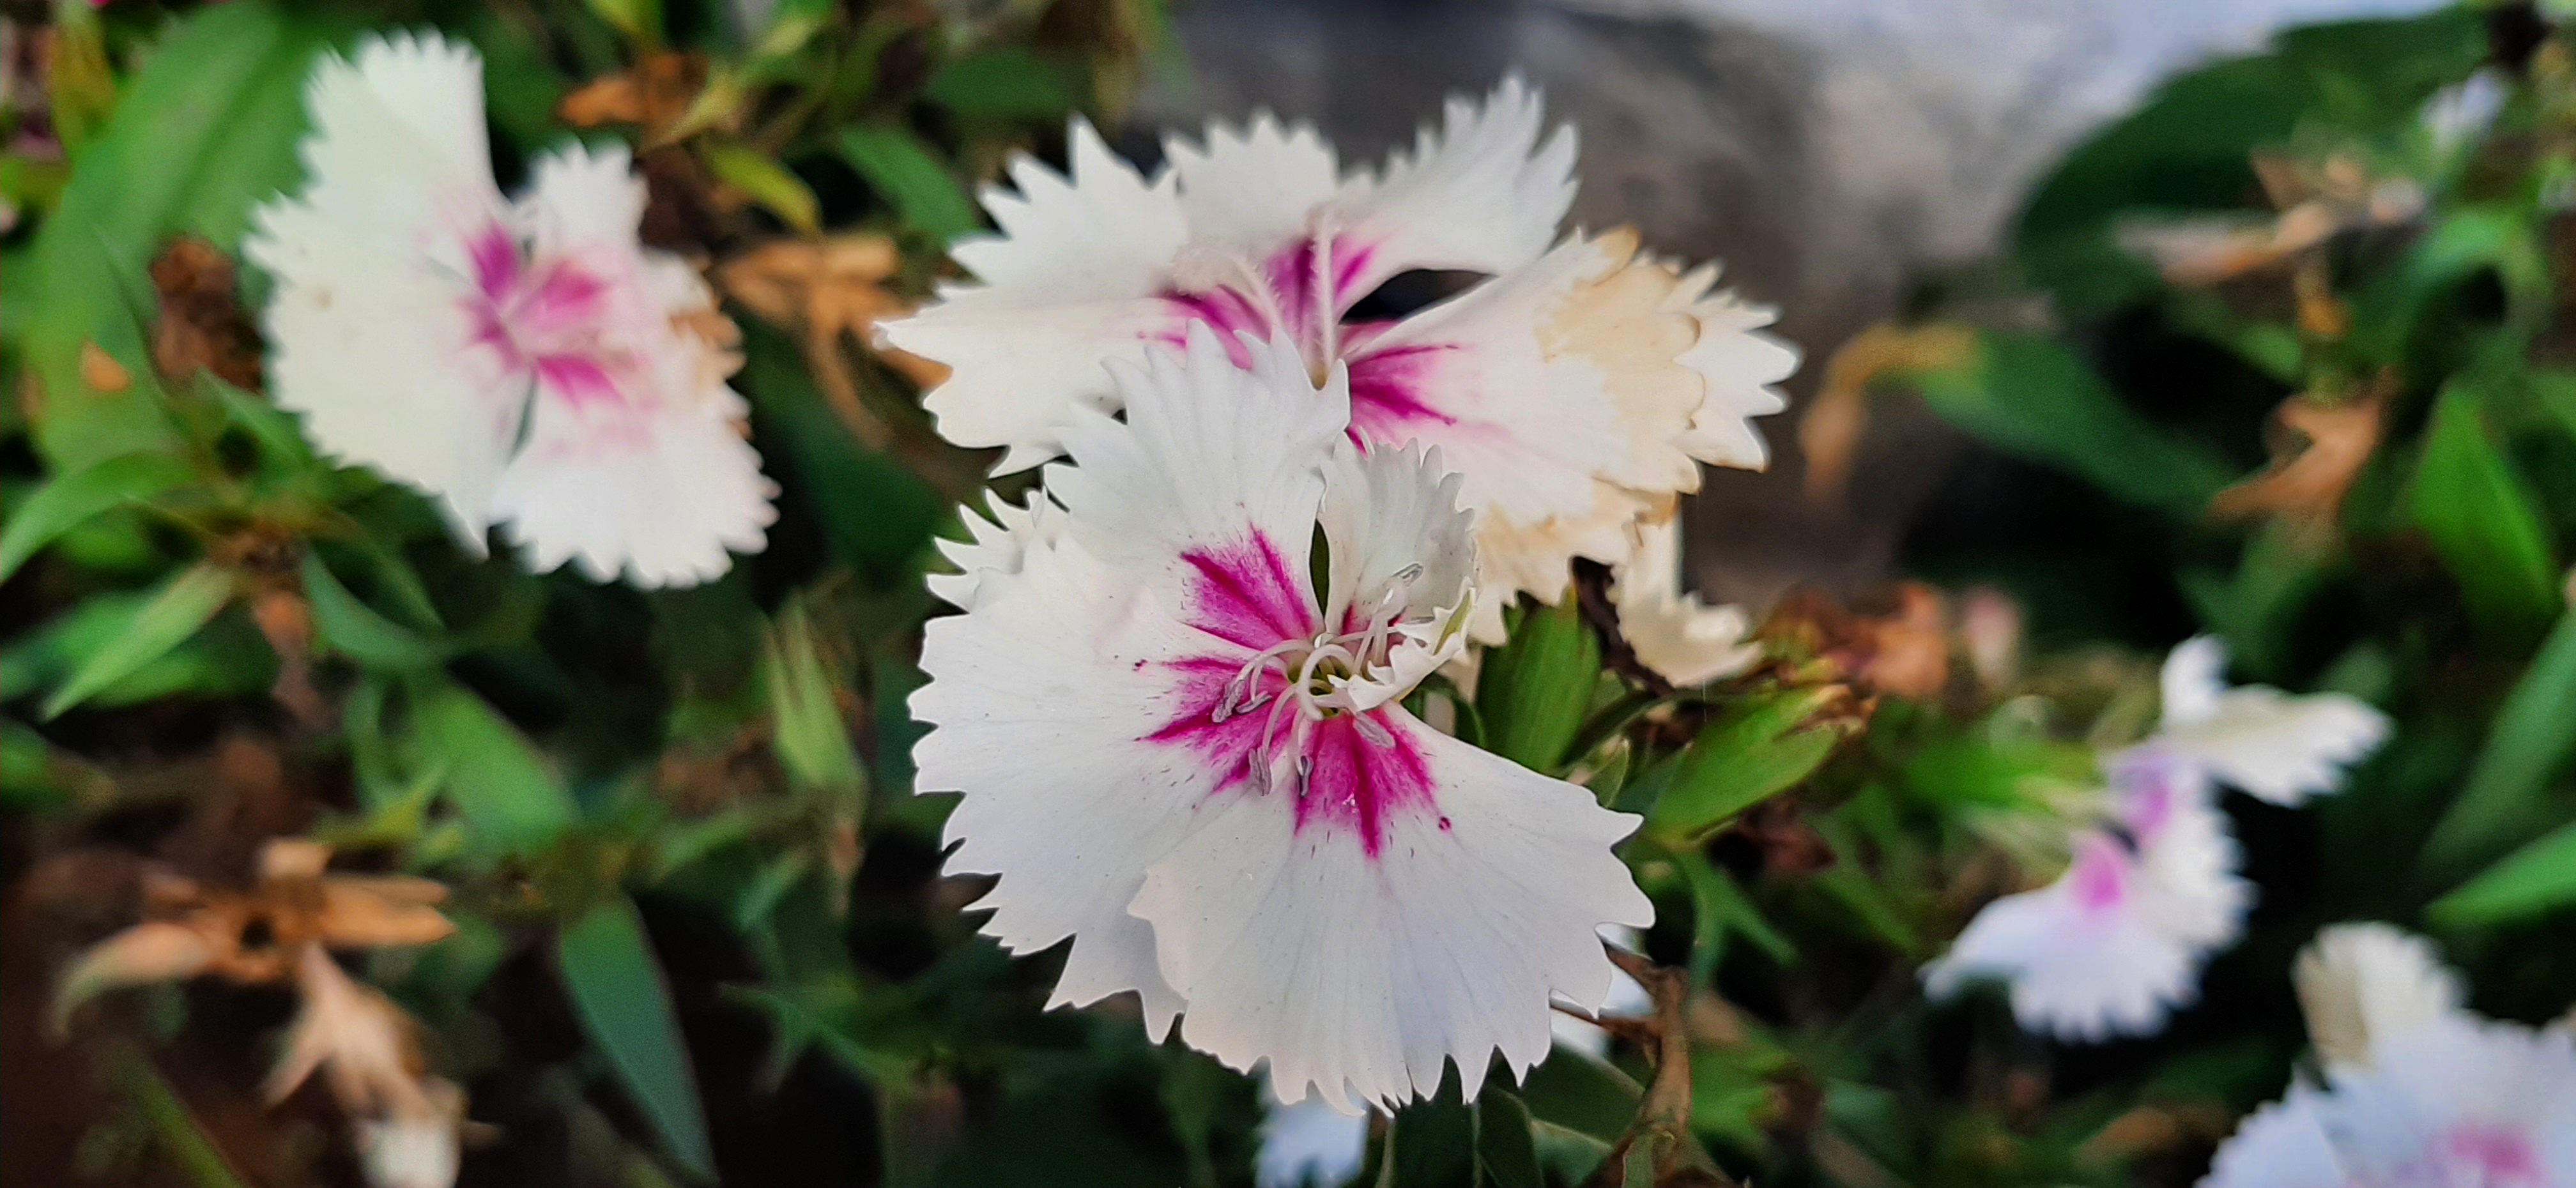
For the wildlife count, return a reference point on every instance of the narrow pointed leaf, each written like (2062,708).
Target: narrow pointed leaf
(513,801)
(71,500)
(2539,878)
(618,991)
(2484,521)
(176,611)
(912,179)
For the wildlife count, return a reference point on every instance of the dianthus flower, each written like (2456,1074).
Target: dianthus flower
(1174,706)
(1575,388)
(528,363)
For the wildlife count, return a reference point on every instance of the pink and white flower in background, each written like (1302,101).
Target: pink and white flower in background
(2116,943)
(1576,388)
(1174,707)
(526,362)
(2433,1097)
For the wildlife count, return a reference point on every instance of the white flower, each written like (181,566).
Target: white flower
(1309,1143)
(521,361)
(2455,1103)
(2278,748)
(1175,715)
(1684,642)
(2117,942)
(2359,983)
(1575,389)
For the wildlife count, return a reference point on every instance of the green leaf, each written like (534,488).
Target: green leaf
(2533,733)
(2484,521)
(812,738)
(1719,907)
(768,183)
(1738,761)
(206,131)
(2028,396)
(639,20)
(1434,1141)
(174,612)
(280,437)
(1535,690)
(912,178)
(618,991)
(1009,82)
(81,87)
(69,500)
(2540,877)
(355,630)
(507,793)
(1503,1142)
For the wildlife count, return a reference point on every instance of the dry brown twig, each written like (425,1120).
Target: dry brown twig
(1659,1143)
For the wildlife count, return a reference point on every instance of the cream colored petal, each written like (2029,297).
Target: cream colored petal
(2359,984)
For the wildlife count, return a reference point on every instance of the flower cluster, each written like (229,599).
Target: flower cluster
(1574,387)
(2116,943)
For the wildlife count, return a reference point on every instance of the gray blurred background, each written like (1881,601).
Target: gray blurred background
(1824,150)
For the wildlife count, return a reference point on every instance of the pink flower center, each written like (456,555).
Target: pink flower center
(543,317)
(2502,1155)
(2100,876)
(1303,291)
(1269,713)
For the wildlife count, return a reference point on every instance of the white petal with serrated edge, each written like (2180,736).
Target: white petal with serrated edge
(2282,1145)
(1682,641)
(660,495)
(995,547)
(1041,702)
(2276,747)
(1042,699)
(1480,193)
(1253,189)
(368,340)
(1544,382)
(1206,450)
(1388,511)
(1513,559)
(1069,282)
(1358,977)
(1739,365)
(2359,983)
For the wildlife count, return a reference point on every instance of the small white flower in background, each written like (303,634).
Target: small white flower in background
(1576,389)
(1628,999)
(407,1124)
(1182,752)
(1682,641)
(2456,1102)
(2277,748)
(1309,1143)
(2360,982)
(526,362)
(2117,943)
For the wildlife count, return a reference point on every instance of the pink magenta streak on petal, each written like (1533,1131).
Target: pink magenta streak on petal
(2100,874)
(1355,785)
(1227,312)
(1359,785)
(1387,406)
(2503,1153)
(579,379)
(1244,593)
(496,261)
(567,300)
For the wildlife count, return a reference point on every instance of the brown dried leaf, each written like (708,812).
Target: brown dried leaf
(2322,450)
(154,951)
(826,288)
(374,1063)
(1829,432)
(653,93)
